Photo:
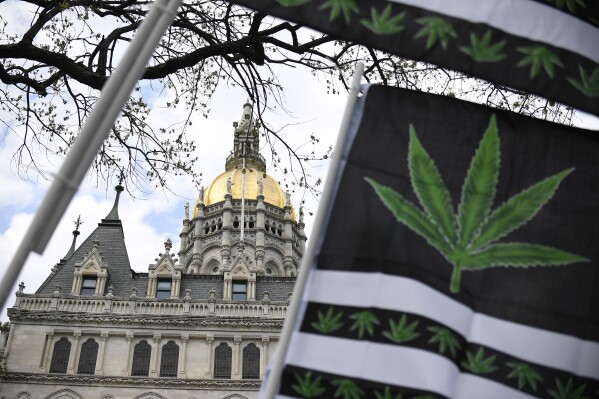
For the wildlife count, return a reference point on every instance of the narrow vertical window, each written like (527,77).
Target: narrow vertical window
(88,285)
(163,288)
(141,359)
(169,360)
(251,362)
(87,357)
(222,361)
(240,290)
(60,356)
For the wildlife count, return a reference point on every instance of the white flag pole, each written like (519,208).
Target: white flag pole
(114,94)
(273,380)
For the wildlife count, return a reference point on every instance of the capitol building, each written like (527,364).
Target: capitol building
(198,322)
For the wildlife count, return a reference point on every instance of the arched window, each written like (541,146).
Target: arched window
(213,226)
(169,360)
(219,223)
(88,356)
(141,359)
(251,362)
(222,361)
(251,225)
(60,356)
(206,228)
(236,222)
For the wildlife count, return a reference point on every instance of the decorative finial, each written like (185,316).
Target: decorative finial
(78,223)
(21,289)
(168,244)
(287,198)
(187,211)
(187,294)
(114,212)
(96,242)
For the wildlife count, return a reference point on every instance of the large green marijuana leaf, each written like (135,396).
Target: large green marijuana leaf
(329,322)
(468,240)
(481,49)
(307,387)
(525,374)
(347,389)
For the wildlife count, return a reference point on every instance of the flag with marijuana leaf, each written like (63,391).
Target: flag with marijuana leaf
(545,47)
(459,259)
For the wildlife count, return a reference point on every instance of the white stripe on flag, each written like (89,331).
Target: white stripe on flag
(393,365)
(525,18)
(397,293)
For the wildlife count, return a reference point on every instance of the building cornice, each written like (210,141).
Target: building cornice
(131,382)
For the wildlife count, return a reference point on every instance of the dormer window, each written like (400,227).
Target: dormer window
(163,288)
(240,290)
(88,285)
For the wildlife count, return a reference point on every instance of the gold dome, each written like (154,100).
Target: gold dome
(273,193)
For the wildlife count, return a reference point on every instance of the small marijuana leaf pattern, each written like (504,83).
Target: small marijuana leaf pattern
(567,391)
(329,322)
(571,4)
(537,57)
(446,340)
(435,29)
(347,389)
(402,331)
(478,364)
(292,3)
(365,321)
(307,387)
(481,49)
(468,240)
(525,374)
(387,394)
(384,24)
(588,83)
(340,6)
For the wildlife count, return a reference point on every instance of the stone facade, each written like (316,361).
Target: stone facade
(203,325)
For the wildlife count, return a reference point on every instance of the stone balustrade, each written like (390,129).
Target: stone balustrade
(150,306)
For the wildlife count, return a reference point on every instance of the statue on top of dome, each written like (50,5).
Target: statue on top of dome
(201,195)
(229,185)
(301,214)
(260,186)
(187,210)
(287,198)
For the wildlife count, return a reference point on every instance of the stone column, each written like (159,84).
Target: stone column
(264,356)
(46,351)
(125,370)
(74,353)
(50,337)
(184,339)
(236,357)
(100,365)
(154,357)
(210,366)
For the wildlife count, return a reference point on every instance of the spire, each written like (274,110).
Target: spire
(246,143)
(113,215)
(76,233)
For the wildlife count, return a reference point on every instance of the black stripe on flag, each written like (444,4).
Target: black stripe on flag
(541,48)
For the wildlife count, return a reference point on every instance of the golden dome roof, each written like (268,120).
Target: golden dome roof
(273,193)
